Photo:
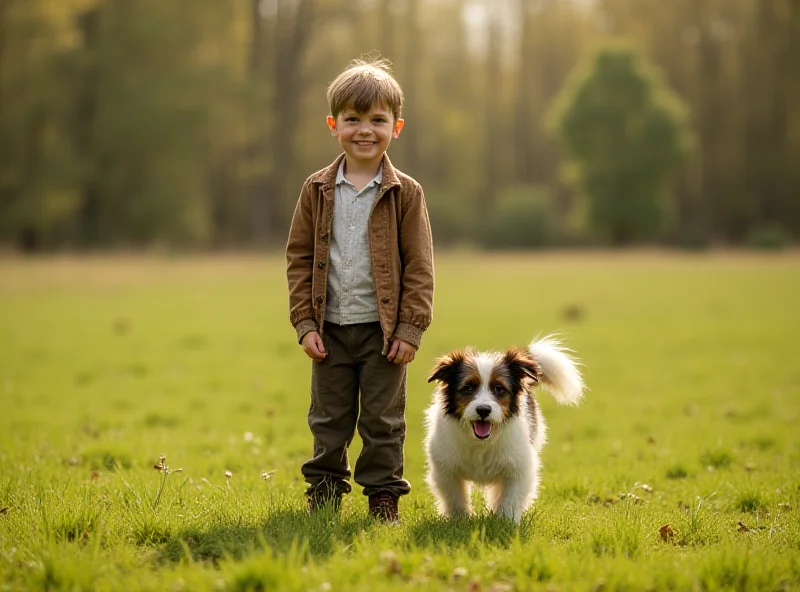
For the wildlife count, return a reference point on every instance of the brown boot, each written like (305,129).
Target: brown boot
(320,499)
(383,505)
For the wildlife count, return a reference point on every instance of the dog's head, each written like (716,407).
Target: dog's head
(484,389)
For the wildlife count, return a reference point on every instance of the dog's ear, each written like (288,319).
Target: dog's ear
(447,366)
(522,365)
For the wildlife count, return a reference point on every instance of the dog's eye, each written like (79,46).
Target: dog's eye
(499,390)
(467,389)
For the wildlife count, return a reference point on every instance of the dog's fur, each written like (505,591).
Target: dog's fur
(485,427)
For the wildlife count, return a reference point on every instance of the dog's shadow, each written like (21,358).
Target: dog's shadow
(437,532)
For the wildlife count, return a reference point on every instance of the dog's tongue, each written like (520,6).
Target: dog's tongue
(482,429)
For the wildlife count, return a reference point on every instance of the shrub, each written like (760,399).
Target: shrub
(524,217)
(768,237)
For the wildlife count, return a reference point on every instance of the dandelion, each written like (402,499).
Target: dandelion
(228,475)
(164,470)
(267,475)
(162,466)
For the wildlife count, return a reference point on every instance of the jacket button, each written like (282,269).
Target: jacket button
(386,300)
(325,237)
(320,299)
(321,264)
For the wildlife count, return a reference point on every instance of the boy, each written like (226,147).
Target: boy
(360,272)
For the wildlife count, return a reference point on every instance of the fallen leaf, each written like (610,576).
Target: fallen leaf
(390,563)
(743,527)
(667,532)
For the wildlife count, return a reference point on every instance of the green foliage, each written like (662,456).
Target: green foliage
(769,237)
(524,217)
(673,384)
(193,123)
(625,136)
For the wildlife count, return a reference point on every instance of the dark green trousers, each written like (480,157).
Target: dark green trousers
(356,388)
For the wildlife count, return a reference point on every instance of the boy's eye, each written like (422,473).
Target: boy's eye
(351,118)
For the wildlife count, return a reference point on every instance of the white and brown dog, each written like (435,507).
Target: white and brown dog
(485,427)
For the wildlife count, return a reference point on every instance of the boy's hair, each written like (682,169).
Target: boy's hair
(364,83)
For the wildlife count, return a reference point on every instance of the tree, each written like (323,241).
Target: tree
(626,136)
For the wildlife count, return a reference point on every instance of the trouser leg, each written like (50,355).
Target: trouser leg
(332,415)
(381,423)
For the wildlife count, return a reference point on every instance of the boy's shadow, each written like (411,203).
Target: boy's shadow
(281,531)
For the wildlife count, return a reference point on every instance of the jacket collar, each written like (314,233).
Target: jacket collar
(327,176)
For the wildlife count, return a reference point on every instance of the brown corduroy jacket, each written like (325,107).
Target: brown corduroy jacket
(401,250)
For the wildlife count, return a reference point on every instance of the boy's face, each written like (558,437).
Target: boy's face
(365,136)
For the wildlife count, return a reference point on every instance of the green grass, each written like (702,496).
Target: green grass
(680,471)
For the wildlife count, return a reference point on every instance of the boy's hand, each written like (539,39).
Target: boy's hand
(401,352)
(312,345)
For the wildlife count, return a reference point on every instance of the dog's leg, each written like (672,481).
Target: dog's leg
(452,494)
(509,499)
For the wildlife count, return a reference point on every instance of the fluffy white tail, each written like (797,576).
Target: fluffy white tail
(561,374)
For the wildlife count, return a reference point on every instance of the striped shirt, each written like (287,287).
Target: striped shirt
(351,289)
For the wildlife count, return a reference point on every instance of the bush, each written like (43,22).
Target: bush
(524,217)
(450,222)
(768,236)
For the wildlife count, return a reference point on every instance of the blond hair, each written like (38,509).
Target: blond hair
(366,82)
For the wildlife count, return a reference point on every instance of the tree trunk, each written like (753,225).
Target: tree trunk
(292,32)
(486,199)
(413,56)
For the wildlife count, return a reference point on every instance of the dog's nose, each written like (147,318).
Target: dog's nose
(483,411)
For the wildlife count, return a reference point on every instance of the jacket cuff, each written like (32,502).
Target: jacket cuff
(409,333)
(304,327)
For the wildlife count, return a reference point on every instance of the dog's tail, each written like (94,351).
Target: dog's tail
(560,371)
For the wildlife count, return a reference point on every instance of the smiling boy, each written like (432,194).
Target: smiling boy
(360,274)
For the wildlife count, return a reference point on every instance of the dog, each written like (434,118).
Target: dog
(485,427)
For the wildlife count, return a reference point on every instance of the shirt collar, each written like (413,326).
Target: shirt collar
(340,178)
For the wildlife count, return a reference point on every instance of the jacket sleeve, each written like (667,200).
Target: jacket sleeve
(299,264)
(416,250)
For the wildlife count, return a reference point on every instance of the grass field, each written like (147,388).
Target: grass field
(680,471)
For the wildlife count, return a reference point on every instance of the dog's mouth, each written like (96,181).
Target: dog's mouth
(482,429)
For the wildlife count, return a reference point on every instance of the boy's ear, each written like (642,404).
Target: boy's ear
(398,125)
(331,121)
